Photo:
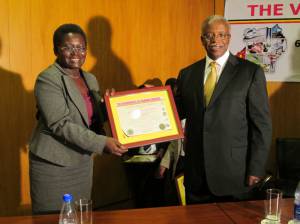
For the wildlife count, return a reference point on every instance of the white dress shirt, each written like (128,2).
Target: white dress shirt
(220,64)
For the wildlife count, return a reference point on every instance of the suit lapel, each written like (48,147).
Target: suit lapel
(197,83)
(91,84)
(75,96)
(228,73)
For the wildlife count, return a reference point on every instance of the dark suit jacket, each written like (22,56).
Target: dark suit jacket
(62,135)
(230,139)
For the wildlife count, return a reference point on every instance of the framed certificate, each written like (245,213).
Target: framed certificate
(143,116)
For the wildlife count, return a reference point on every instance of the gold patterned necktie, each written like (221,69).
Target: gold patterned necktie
(210,83)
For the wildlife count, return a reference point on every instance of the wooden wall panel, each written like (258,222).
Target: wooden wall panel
(219,7)
(130,41)
(285,110)
(16,105)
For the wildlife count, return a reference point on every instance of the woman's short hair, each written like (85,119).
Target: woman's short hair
(63,30)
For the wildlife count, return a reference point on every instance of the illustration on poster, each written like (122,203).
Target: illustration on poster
(263,46)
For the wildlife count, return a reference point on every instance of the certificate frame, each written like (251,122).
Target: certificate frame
(142,97)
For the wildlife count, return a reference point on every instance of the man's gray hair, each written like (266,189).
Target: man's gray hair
(211,19)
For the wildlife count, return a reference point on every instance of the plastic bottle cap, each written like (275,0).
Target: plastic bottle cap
(67,197)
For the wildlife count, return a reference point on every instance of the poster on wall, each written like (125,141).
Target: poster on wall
(267,32)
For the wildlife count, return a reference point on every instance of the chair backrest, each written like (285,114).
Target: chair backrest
(288,158)
(180,189)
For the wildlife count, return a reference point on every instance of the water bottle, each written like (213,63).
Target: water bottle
(68,212)
(297,205)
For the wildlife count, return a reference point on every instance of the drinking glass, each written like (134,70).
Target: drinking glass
(273,206)
(84,211)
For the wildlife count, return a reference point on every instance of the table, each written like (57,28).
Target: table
(219,213)
(253,211)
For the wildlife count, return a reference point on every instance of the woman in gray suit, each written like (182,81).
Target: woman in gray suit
(69,125)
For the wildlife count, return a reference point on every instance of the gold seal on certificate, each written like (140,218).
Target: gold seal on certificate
(143,116)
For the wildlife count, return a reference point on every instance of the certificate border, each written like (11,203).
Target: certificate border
(146,141)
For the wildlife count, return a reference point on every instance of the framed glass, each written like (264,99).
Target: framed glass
(143,116)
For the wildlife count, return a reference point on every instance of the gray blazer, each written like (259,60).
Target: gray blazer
(62,135)
(230,138)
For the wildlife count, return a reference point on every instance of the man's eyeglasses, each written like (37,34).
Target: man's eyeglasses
(71,49)
(220,36)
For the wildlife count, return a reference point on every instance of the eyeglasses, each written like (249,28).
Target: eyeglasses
(220,36)
(71,49)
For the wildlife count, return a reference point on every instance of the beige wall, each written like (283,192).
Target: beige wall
(130,41)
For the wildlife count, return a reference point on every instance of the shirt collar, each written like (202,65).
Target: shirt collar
(220,61)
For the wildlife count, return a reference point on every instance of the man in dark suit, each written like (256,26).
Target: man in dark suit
(228,126)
